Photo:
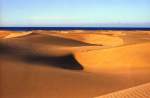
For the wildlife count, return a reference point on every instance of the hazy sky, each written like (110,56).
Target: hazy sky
(75,13)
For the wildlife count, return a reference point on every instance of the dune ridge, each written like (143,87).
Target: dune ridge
(85,46)
(12,34)
(62,64)
(116,59)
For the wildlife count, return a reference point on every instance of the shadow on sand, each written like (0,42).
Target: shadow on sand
(66,62)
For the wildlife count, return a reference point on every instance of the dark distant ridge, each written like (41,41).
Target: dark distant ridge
(73,28)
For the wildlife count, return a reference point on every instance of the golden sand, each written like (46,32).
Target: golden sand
(142,91)
(45,64)
(17,34)
(97,39)
(132,57)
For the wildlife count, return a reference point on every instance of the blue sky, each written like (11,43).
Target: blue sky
(75,13)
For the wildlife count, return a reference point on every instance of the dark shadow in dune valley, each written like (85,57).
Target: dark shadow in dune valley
(27,56)
(66,62)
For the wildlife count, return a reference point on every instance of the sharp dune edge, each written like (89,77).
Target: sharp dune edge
(11,35)
(116,59)
(49,64)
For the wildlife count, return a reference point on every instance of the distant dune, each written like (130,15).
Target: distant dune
(97,39)
(4,33)
(18,34)
(72,64)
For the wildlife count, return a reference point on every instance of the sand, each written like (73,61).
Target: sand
(142,91)
(72,64)
(118,59)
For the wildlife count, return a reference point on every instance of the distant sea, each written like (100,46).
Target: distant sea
(73,28)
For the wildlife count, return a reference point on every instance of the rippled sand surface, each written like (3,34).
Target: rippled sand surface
(142,91)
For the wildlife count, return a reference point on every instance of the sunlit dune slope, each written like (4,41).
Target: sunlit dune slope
(47,44)
(21,79)
(12,34)
(39,64)
(4,33)
(142,91)
(86,46)
(97,39)
(106,38)
(17,34)
(132,57)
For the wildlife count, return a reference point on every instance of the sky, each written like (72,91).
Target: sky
(97,13)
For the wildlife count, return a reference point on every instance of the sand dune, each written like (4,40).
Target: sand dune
(97,39)
(41,43)
(20,78)
(106,38)
(112,52)
(72,64)
(4,33)
(116,59)
(142,91)
(101,40)
(12,34)
(18,34)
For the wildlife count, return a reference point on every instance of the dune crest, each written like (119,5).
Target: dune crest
(4,33)
(130,57)
(17,34)
(40,63)
(104,40)
(97,39)
(95,52)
